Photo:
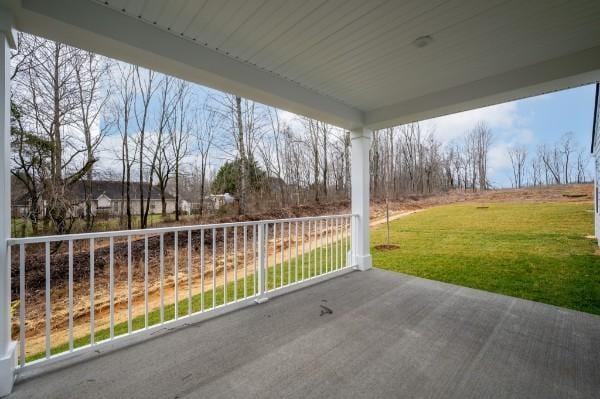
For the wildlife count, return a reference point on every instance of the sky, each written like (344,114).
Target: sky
(528,122)
(525,123)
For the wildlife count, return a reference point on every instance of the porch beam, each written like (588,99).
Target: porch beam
(7,346)
(559,73)
(93,27)
(360,180)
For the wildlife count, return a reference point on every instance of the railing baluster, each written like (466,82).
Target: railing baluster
(245,261)
(332,252)
(309,251)
(326,246)
(316,246)
(202,270)
(282,253)
(111,285)
(354,239)
(146,280)
(289,262)
(70,295)
(302,274)
(274,255)
(129,278)
(296,258)
(320,238)
(340,242)
(214,266)
(176,272)
(162,278)
(254,260)
(189,271)
(337,243)
(92,302)
(332,244)
(345,241)
(22,326)
(48,307)
(235,261)
(347,248)
(262,261)
(224,265)
(350,246)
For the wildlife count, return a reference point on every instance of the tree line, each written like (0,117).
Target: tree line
(563,162)
(71,109)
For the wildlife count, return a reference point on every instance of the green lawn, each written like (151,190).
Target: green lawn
(528,250)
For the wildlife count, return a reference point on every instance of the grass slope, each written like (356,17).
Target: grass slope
(536,251)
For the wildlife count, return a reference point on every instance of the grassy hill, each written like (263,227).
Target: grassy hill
(536,251)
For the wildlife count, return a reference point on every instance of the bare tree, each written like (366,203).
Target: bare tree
(47,93)
(481,140)
(245,120)
(30,166)
(566,150)
(205,124)
(158,159)
(551,160)
(121,108)
(90,72)
(144,93)
(583,159)
(313,131)
(518,157)
(272,150)
(180,136)
(536,172)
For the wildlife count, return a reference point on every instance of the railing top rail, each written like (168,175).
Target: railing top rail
(159,230)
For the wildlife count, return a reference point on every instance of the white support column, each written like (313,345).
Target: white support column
(361,144)
(8,358)
(596,199)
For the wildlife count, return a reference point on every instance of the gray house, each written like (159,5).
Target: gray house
(108,199)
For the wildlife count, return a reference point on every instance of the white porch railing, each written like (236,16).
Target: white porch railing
(81,292)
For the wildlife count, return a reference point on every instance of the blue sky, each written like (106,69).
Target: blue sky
(528,122)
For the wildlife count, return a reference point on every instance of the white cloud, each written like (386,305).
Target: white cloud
(108,154)
(455,126)
(509,128)
(498,157)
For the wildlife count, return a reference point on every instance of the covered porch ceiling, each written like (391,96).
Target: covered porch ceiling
(350,63)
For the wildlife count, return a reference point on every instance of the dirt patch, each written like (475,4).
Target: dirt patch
(387,247)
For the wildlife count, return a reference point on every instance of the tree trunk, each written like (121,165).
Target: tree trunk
(177,189)
(163,201)
(242,154)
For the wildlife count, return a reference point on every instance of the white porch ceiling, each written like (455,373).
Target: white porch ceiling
(348,62)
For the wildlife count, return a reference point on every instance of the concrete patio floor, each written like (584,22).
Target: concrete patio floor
(389,335)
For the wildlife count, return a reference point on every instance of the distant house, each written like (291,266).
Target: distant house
(218,200)
(108,199)
(212,202)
